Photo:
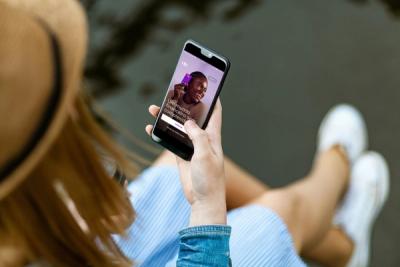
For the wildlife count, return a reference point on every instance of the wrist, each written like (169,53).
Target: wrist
(208,212)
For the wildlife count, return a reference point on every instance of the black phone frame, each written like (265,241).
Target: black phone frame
(220,62)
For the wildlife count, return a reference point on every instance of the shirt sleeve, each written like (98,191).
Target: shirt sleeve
(204,246)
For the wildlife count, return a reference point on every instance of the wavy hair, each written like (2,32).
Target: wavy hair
(65,212)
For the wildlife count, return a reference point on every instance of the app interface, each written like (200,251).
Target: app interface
(189,96)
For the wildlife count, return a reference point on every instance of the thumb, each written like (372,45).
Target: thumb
(199,138)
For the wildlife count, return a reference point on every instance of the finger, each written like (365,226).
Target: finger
(154,110)
(199,138)
(149,129)
(183,166)
(214,125)
(184,171)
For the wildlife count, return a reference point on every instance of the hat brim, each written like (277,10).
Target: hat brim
(72,53)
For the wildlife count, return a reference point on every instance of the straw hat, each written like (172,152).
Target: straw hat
(42,49)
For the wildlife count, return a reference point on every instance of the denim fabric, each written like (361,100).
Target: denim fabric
(206,245)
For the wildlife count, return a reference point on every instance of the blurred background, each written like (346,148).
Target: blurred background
(291,61)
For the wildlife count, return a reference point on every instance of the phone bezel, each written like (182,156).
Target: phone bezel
(214,59)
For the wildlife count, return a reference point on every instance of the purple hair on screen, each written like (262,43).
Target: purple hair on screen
(186,79)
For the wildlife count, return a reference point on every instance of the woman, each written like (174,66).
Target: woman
(60,206)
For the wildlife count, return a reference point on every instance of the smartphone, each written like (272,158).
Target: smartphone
(191,95)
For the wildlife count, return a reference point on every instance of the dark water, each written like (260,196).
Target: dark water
(129,34)
(291,61)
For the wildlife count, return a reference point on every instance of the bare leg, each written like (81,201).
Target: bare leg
(335,248)
(307,206)
(165,158)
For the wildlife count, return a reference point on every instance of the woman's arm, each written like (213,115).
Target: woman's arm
(241,186)
(206,241)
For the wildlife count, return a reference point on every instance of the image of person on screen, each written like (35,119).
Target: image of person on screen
(189,94)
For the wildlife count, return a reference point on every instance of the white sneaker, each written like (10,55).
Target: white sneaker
(367,193)
(345,126)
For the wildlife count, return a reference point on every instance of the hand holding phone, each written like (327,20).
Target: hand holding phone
(191,95)
(203,178)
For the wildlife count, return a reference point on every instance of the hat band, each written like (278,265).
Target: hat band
(52,104)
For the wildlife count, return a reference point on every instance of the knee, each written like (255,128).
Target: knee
(165,158)
(285,203)
(288,205)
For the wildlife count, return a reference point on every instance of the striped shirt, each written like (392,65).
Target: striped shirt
(259,236)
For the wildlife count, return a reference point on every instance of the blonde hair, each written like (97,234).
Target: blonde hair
(66,211)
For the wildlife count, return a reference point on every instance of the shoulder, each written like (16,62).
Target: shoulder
(199,106)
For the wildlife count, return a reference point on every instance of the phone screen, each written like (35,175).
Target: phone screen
(191,94)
